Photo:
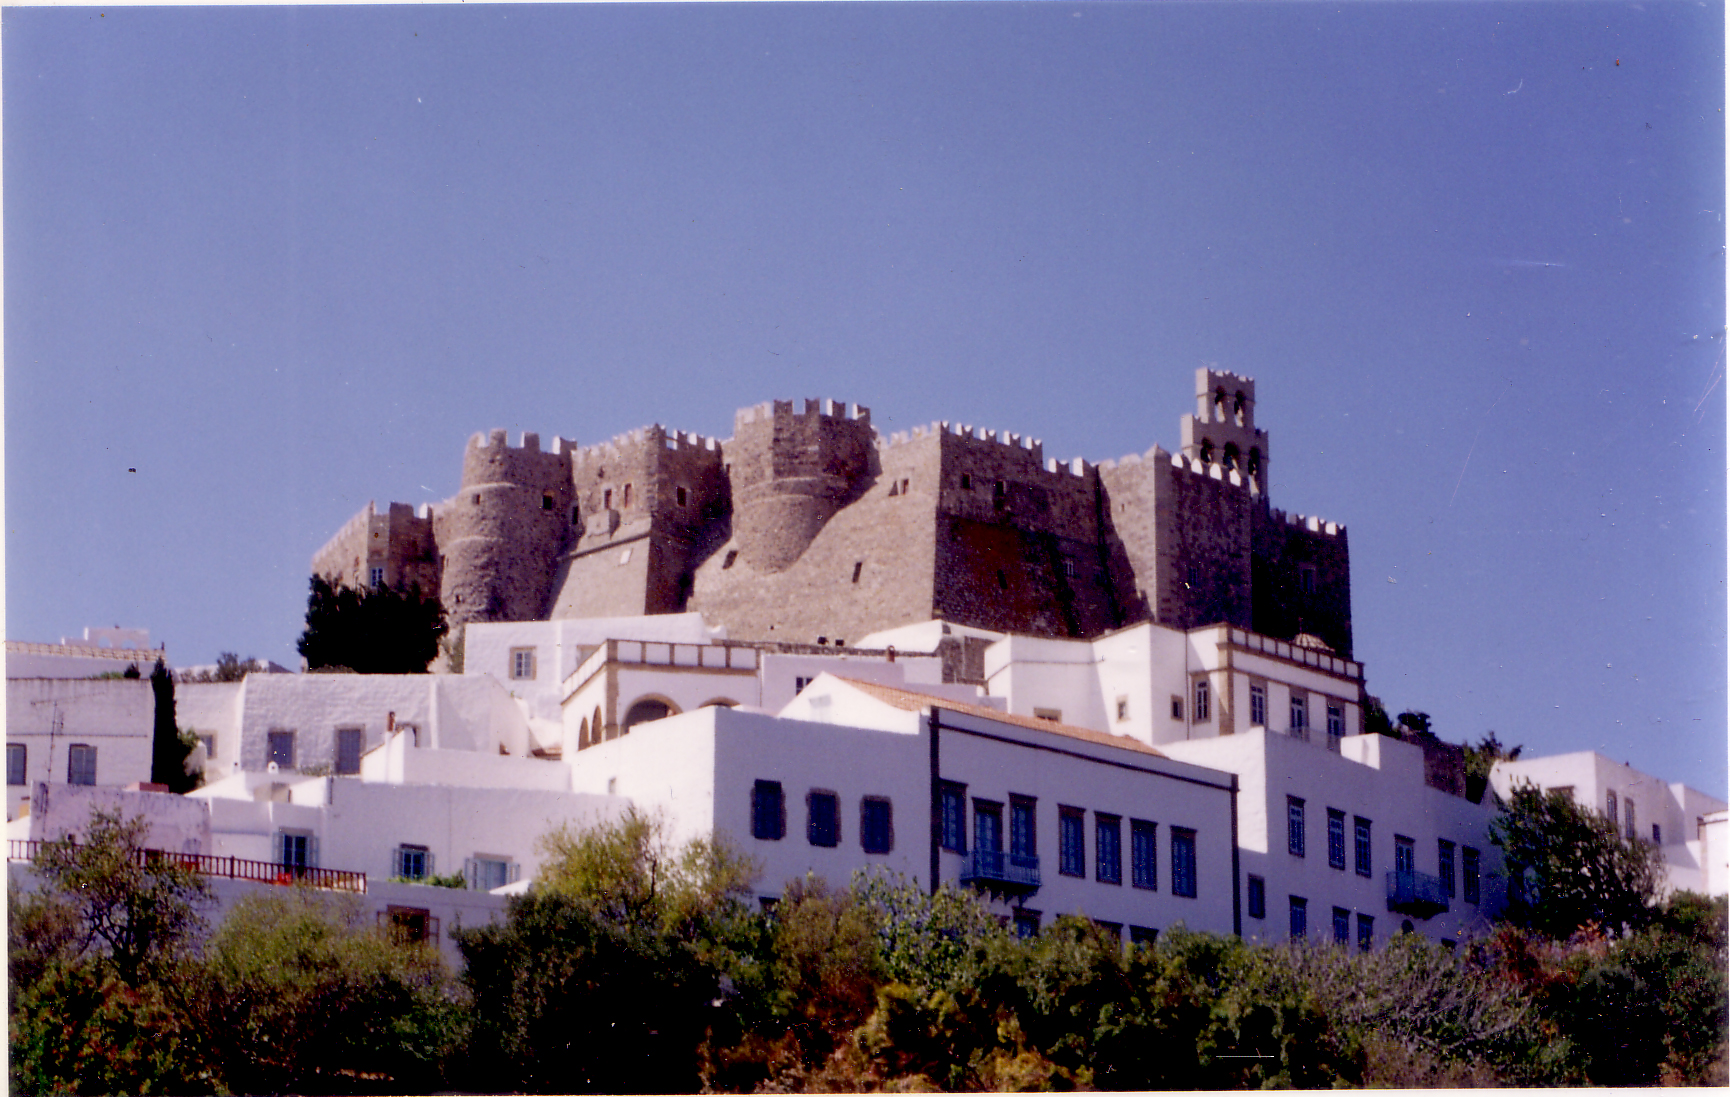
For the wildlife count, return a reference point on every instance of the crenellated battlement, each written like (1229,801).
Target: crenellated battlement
(1309,522)
(838,410)
(499,440)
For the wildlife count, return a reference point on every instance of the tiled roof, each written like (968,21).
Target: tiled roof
(918,702)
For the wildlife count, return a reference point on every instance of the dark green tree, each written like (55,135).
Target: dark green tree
(1569,868)
(169,748)
(1480,760)
(371,630)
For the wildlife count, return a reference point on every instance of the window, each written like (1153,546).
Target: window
(1610,807)
(799,684)
(81,765)
(1055,715)
(954,807)
(410,925)
(1307,578)
(1565,790)
(1342,926)
(1183,862)
(1469,874)
(876,825)
(1294,826)
(487,873)
(1361,844)
(348,746)
(1142,935)
(1336,725)
(1336,839)
(966,482)
(412,863)
(546,501)
(680,494)
(1144,854)
(768,811)
(1628,818)
(1107,848)
(1445,865)
(1657,831)
(1027,923)
(1023,842)
(1203,707)
(1300,716)
(15,755)
(1300,917)
(1071,843)
(1176,707)
(732,555)
(522,663)
(1258,706)
(209,742)
(1123,708)
(296,850)
(375,577)
(281,747)
(823,819)
(1257,897)
(1366,931)
(987,826)
(1405,855)
(627,498)
(858,566)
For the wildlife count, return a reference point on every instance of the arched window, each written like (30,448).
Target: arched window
(645,710)
(1237,407)
(1254,461)
(583,735)
(1207,453)
(597,730)
(1230,461)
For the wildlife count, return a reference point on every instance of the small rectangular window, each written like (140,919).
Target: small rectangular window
(1405,855)
(1203,702)
(1336,839)
(1610,806)
(1294,826)
(987,826)
(1144,854)
(1071,842)
(1176,707)
(546,502)
(1361,844)
(681,496)
(209,742)
(799,684)
(296,850)
(15,755)
(858,566)
(1300,715)
(1143,935)
(376,577)
(954,805)
(1055,715)
(1628,828)
(1300,917)
(1307,578)
(1366,931)
(281,747)
(1657,835)
(823,819)
(1342,926)
(1123,708)
(1258,706)
(1183,862)
(81,765)
(1445,865)
(876,825)
(487,873)
(1026,923)
(522,663)
(410,925)
(349,742)
(1469,874)
(1108,848)
(1257,897)
(1336,725)
(413,862)
(1023,839)
(768,811)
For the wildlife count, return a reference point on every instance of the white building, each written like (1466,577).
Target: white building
(1048,819)
(75,731)
(1671,816)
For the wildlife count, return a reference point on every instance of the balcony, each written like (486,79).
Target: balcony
(1416,893)
(228,868)
(1000,873)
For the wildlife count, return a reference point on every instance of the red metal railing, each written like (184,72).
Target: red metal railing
(231,868)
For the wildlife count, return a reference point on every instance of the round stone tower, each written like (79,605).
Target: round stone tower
(791,471)
(504,531)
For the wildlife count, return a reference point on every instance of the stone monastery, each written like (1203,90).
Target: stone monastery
(808,526)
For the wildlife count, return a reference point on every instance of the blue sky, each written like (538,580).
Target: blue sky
(281,261)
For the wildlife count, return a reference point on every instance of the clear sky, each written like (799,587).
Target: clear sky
(265,264)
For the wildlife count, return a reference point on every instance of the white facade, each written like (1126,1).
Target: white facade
(853,748)
(66,729)
(1302,810)
(99,651)
(1163,685)
(1671,816)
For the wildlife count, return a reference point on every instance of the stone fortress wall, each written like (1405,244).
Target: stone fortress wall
(808,526)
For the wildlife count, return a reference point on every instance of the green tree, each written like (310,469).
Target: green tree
(1568,868)
(169,746)
(134,906)
(300,992)
(371,630)
(1481,760)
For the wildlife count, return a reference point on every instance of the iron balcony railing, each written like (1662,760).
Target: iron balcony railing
(1416,893)
(230,868)
(995,867)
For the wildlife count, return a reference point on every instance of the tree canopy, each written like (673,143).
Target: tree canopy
(371,630)
(1569,868)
